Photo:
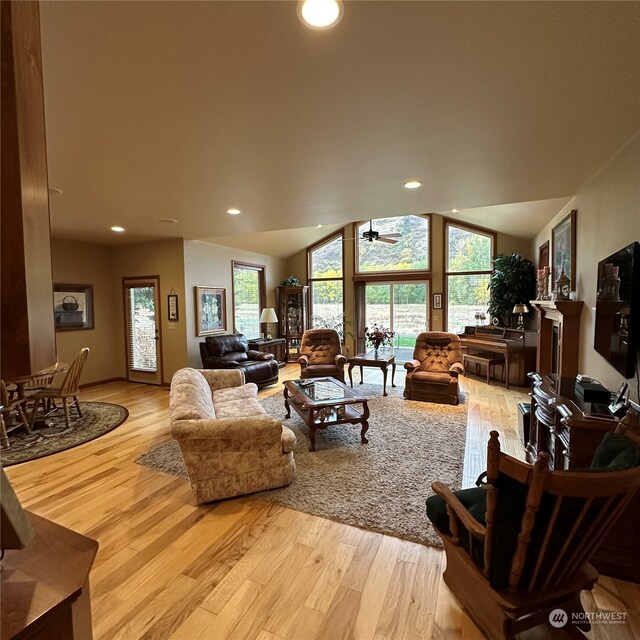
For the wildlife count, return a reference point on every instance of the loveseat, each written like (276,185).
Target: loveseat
(231,351)
(229,444)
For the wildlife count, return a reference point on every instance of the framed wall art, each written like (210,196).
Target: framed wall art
(563,249)
(73,306)
(211,310)
(172,306)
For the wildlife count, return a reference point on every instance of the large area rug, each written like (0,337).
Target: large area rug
(381,486)
(98,418)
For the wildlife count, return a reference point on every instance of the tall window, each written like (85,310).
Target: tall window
(467,270)
(248,298)
(326,283)
(409,253)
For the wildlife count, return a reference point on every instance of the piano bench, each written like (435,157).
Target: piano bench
(490,360)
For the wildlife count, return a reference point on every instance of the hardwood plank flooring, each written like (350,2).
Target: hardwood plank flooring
(248,569)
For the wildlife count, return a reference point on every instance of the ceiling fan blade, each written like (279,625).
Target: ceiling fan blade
(387,240)
(391,235)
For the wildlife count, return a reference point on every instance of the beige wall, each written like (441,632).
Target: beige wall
(296,265)
(210,264)
(608,219)
(165,259)
(85,263)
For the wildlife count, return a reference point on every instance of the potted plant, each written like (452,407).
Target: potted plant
(512,282)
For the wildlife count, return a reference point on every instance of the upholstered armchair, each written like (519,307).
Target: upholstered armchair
(519,545)
(321,355)
(231,351)
(433,373)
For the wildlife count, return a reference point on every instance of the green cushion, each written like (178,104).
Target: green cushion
(615,453)
(472,499)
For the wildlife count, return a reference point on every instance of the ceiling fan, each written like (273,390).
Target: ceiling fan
(370,235)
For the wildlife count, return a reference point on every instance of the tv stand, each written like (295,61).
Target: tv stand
(569,430)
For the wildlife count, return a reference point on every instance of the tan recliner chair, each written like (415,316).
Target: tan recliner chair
(321,355)
(433,373)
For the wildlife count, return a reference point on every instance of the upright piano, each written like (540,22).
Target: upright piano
(517,345)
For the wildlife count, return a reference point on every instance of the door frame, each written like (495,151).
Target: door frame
(155,281)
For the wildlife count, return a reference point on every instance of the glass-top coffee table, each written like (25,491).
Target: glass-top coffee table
(324,402)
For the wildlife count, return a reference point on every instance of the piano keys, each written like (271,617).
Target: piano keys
(518,347)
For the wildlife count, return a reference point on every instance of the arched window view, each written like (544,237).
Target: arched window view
(327,286)
(409,253)
(468,269)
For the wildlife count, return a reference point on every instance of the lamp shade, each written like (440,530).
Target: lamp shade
(521,308)
(268,315)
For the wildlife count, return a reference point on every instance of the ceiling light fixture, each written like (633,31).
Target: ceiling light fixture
(412,184)
(167,220)
(319,226)
(454,211)
(55,191)
(234,212)
(320,14)
(117,229)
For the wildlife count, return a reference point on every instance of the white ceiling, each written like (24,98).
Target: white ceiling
(185,109)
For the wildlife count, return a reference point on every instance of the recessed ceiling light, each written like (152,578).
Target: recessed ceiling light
(412,184)
(117,229)
(54,191)
(234,212)
(454,211)
(320,14)
(319,226)
(167,220)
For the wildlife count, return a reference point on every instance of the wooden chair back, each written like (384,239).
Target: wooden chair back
(71,383)
(566,516)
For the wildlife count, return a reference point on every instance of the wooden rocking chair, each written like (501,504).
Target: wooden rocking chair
(518,547)
(69,388)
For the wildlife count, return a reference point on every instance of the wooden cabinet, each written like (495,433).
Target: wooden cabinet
(276,346)
(293,308)
(569,430)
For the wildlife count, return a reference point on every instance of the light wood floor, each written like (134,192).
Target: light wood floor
(244,568)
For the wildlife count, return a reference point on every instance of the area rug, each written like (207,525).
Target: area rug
(97,419)
(380,486)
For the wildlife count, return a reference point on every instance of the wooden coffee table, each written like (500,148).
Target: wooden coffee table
(326,402)
(382,361)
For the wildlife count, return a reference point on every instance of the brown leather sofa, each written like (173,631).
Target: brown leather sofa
(321,355)
(231,351)
(433,373)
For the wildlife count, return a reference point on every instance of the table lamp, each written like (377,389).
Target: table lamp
(520,309)
(268,315)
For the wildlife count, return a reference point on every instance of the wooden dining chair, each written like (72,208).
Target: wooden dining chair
(13,412)
(518,546)
(69,388)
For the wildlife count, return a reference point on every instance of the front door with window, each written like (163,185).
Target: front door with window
(142,322)
(403,308)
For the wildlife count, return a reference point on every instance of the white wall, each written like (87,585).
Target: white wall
(608,219)
(210,264)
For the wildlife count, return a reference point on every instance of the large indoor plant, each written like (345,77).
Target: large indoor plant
(512,282)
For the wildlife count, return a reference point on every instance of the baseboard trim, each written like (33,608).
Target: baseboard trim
(99,382)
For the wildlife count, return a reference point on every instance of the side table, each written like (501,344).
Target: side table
(276,346)
(383,361)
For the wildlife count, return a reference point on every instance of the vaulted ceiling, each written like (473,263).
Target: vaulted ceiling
(185,109)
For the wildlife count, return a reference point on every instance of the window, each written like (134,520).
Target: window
(248,298)
(326,283)
(410,253)
(469,253)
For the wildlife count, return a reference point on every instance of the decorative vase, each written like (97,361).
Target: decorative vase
(375,351)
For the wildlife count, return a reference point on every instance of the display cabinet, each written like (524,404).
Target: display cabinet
(293,313)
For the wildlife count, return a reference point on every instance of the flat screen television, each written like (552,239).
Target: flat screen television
(617,332)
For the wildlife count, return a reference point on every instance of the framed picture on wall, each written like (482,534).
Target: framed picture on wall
(73,306)
(563,249)
(437,301)
(211,310)
(172,305)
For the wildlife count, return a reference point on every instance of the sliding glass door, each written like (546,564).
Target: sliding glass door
(402,307)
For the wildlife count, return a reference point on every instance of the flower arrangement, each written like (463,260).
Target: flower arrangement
(291,281)
(378,336)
